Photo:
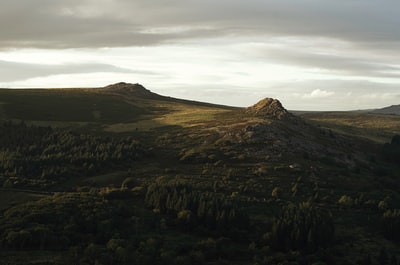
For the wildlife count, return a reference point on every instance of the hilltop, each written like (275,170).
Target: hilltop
(393,110)
(130,90)
(269,108)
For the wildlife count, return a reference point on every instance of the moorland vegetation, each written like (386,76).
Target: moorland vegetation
(131,177)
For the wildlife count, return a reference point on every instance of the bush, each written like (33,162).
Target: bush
(276,192)
(346,201)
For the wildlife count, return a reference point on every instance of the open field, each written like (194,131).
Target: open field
(377,127)
(184,116)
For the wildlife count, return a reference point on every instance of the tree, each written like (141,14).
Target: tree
(187,219)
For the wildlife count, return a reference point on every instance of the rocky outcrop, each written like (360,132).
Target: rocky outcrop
(269,108)
(128,89)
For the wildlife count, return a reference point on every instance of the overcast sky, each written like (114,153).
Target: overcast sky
(310,54)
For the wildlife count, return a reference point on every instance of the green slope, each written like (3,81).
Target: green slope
(66,105)
(120,108)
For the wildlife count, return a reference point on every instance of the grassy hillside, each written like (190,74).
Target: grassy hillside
(66,106)
(139,178)
(376,127)
(113,109)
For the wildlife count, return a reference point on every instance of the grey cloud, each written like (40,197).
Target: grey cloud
(79,24)
(104,23)
(336,64)
(12,71)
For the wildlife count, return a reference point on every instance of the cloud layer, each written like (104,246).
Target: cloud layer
(116,23)
(309,53)
(12,71)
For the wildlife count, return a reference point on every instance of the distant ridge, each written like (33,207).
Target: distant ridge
(138,91)
(269,108)
(393,110)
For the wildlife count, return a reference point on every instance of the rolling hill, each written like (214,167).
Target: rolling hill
(392,110)
(120,175)
(115,104)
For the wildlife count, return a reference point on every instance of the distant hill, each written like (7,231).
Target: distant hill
(393,110)
(99,108)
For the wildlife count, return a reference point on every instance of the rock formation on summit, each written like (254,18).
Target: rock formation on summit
(269,108)
(129,89)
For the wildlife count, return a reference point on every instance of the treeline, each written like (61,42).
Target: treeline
(111,226)
(59,221)
(302,227)
(192,207)
(33,156)
(99,228)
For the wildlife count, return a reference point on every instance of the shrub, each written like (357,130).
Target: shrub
(276,192)
(346,200)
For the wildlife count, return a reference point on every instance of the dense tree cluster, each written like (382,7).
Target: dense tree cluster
(95,228)
(36,156)
(302,227)
(63,220)
(193,207)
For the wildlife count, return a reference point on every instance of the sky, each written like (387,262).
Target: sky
(309,54)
